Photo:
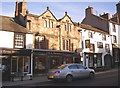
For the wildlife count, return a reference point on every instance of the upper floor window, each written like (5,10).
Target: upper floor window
(92,47)
(99,44)
(41,42)
(65,27)
(104,37)
(113,27)
(48,23)
(114,39)
(19,40)
(107,48)
(70,27)
(87,43)
(63,44)
(45,23)
(51,24)
(90,35)
(67,45)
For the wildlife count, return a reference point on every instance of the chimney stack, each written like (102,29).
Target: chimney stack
(20,8)
(89,11)
(105,15)
(118,11)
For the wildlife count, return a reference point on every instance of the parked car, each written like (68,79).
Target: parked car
(69,72)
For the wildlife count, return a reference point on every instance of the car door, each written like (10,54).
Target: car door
(83,71)
(74,70)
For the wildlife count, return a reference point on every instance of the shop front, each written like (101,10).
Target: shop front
(93,60)
(43,60)
(15,61)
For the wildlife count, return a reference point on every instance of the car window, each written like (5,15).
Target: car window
(73,67)
(80,67)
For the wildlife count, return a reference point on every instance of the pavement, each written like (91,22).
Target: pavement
(38,79)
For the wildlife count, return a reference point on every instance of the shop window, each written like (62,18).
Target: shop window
(20,64)
(19,40)
(26,64)
(99,44)
(14,64)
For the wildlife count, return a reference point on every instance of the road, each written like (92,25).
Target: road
(102,79)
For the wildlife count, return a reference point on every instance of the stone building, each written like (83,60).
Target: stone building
(54,41)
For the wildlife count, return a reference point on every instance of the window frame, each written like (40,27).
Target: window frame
(19,40)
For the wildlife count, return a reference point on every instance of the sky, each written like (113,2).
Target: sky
(75,9)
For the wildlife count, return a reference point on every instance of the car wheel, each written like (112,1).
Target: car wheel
(91,75)
(69,78)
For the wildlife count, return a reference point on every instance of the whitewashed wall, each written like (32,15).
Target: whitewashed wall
(119,36)
(97,37)
(6,39)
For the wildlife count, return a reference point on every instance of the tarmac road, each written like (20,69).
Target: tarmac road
(109,78)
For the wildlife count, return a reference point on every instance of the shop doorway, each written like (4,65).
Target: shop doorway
(108,61)
(6,70)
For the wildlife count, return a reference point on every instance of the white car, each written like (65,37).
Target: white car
(70,71)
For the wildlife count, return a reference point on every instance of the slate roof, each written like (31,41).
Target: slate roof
(9,24)
(88,27)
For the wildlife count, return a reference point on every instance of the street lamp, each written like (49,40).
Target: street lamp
(95,59)
(87,60)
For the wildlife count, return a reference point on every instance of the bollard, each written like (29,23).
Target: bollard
(21,78)
(30,77)
(12,78)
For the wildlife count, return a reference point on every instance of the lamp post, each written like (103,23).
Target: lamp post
(87,60)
